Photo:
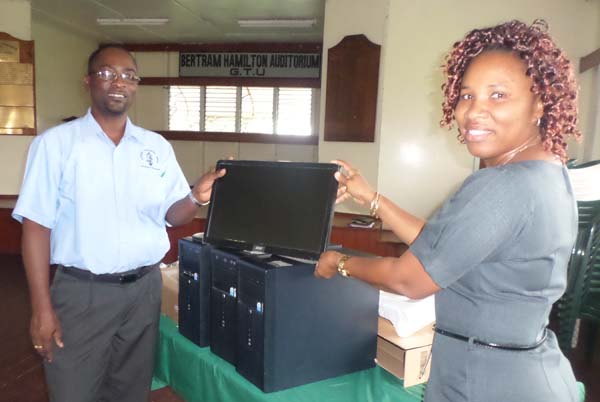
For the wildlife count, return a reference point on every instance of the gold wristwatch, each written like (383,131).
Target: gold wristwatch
(340,266)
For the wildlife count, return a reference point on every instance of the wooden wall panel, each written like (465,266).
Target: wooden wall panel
(176,233)
(367,240)
(19,117)
(352,82)
(10,233)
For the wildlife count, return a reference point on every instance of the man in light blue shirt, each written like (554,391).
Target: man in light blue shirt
(97,195)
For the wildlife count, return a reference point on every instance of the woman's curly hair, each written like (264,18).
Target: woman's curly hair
(551,72)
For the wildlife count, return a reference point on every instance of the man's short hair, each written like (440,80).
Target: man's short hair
(101,48)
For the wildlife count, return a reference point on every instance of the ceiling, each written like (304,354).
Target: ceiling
(190,21)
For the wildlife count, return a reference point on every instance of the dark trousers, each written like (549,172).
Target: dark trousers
(109,333)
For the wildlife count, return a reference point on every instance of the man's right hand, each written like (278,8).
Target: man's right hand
(44,327)
(202,189)
(45,333)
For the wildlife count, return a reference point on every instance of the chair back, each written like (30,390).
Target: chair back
(590,305)
(570,305)
(582,295)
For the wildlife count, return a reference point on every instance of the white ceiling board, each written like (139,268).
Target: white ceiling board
(138,9)
(191,21)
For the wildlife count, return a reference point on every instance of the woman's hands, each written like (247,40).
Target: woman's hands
(352,185)
(327,265)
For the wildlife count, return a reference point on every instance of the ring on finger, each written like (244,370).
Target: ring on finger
(38,347)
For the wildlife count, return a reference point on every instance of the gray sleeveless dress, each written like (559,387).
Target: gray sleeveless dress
(499,249)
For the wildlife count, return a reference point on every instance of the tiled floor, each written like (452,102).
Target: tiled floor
(21,373)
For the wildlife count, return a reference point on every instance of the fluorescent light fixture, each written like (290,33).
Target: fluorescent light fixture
(131,21)
(277,23)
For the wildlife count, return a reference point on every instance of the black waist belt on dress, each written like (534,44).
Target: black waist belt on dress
(121,277)
(516,348)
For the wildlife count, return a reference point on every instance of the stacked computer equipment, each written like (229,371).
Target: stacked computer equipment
(223,316)
(267,313)
(194,290)
(293,328)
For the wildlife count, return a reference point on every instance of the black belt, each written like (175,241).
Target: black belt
(516,348)
(122,277)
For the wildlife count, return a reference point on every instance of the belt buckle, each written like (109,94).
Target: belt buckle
(128,278)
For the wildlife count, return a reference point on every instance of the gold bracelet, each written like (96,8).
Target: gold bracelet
(340,266)
(375,205)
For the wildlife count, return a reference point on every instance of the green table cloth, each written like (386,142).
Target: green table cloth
(197,375)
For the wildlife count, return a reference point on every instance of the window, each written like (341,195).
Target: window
(265,110)
(293,103)
(220,109)
(257,110)
(184,108)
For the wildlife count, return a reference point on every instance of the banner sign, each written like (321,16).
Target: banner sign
(255,65)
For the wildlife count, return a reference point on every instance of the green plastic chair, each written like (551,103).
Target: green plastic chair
(582,296)
(590,305)
(572,164)
(581,391)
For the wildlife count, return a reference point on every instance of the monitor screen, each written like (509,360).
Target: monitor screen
(283,208)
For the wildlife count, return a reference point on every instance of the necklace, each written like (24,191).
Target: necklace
(510,155)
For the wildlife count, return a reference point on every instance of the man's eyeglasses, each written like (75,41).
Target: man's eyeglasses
(107,74)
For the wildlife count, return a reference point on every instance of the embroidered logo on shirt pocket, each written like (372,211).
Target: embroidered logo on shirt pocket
(149,159)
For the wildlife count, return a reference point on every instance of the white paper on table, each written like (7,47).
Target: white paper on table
(407,315)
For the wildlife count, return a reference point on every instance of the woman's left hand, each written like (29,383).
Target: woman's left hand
(352,185)
(327,265)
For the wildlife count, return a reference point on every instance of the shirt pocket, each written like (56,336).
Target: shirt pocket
(150,190)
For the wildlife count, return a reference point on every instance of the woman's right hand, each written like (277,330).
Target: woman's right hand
(352,185)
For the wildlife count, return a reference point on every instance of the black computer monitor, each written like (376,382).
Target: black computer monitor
(283,208)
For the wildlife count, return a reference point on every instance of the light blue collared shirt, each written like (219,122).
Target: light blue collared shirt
(105,204)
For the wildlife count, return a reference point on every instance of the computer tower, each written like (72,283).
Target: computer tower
(223,323)
(294,328)
(194,290)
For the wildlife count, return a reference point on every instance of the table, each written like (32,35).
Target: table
(197,375)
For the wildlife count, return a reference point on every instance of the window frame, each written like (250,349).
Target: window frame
(211,136)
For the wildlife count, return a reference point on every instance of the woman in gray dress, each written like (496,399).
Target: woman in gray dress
(496,253)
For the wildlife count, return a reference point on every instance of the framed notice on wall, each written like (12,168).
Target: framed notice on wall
(17,86)
(352,81)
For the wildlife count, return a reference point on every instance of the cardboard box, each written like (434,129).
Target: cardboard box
(408,358)
(170,291)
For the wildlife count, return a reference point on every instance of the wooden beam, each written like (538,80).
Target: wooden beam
(240,137)
(234,81)
(226,47)
(590,61)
